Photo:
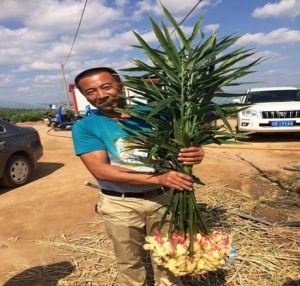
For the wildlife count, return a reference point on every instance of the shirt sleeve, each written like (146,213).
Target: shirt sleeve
(85,139)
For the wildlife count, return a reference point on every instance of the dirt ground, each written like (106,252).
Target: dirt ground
(57,201)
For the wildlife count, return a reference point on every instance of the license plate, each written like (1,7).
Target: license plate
(282,123)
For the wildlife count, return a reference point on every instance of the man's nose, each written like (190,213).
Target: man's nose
(101,93)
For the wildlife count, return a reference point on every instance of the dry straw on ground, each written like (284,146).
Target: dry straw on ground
(267,255)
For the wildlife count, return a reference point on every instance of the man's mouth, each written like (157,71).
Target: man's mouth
(101,103)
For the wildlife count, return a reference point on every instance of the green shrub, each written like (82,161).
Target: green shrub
(31,115)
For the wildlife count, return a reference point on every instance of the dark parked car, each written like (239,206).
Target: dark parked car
(20,149)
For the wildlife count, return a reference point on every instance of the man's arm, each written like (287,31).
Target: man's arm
(97,163)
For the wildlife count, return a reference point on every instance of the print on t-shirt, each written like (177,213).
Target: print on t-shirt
(132,158)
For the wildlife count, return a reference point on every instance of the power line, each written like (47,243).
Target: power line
(76,32)
(189,14)
(183,19)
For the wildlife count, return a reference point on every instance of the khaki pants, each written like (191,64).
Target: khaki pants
(127,221)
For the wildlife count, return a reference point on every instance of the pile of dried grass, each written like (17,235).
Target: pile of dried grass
(267,256)
(91,256)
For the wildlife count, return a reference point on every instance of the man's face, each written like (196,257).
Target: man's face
(100,89)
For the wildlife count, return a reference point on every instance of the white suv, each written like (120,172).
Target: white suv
(272,109)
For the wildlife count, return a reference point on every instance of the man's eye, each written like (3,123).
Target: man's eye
(90,92)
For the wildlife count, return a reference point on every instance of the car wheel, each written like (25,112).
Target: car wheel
(17,172)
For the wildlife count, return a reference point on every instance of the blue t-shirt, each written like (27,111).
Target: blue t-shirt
(98,132)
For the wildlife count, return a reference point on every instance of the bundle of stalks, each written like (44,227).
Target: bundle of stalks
(179,83)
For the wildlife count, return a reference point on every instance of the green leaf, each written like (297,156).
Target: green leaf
(182,36)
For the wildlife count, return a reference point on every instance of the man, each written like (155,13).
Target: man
(129,194)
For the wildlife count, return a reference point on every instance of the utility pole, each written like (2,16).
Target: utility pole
(59,98)
(65,86)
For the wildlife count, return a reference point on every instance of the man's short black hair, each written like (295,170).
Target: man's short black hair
(93,71)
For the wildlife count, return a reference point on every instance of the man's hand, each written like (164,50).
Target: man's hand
(176,180)
(191,156)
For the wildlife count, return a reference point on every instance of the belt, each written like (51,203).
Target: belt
(145,195)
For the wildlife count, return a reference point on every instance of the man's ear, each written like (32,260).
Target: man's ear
(122,103)
(122,87)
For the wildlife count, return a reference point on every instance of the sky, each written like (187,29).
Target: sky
(40,55)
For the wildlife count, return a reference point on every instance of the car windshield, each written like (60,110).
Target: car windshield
(273,96)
